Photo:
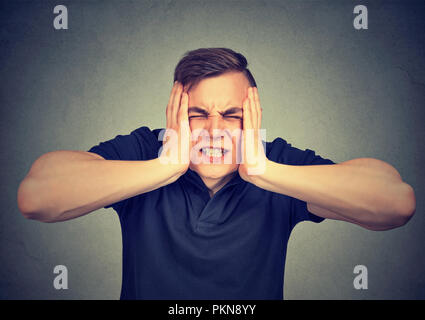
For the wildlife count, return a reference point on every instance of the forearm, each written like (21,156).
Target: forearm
(66,184)
(368,192)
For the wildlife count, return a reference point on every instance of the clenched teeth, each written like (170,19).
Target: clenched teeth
(214,152)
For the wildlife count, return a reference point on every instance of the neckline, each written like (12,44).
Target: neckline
(194,178)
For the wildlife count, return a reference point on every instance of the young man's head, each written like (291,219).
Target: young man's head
(216,80)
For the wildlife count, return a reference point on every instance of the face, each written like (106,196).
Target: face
(215,109)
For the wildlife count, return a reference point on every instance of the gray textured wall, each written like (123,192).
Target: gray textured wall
(323,85)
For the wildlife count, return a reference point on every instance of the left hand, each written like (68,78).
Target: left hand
(253,156)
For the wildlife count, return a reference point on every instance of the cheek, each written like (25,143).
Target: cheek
(237,138)
(196,124)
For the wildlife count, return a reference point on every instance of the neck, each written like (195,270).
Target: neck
(214,185)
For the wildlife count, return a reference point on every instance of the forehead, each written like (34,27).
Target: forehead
(221,92)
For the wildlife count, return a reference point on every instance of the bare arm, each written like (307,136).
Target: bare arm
(362,191)
(365,191)
(63,185)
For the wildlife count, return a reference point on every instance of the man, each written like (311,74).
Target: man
(195,226)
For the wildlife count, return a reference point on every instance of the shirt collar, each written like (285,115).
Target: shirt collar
(194,178)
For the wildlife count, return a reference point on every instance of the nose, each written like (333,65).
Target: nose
(214,122)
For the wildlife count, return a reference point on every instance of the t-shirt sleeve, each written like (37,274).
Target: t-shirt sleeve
(140,144)
(282,152)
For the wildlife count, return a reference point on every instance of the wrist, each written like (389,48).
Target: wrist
(257,175)
(174,170)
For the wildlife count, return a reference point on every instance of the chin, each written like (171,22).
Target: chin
(213,171)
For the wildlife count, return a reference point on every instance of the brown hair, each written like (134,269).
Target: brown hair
(209,62)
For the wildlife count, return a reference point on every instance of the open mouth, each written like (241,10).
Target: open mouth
(214,152)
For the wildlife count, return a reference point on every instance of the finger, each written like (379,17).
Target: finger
(246,114)
(245,126)
(184,126)
(259,109)
(254,111)
(253,108)
(182,116)
(176,103)
(250,134)
(184,106)
(169,110)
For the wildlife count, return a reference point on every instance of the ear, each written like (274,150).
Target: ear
(186,88)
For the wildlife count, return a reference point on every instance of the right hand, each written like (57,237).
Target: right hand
(177,139)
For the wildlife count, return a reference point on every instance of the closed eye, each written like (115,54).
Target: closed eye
(205,117)
(198,116)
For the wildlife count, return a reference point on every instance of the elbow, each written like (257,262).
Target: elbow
(404,207)
(33,194)
(27,203)
(407,204)
(37,216)
(401,211)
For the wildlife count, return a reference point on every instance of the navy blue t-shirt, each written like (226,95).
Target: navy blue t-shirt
(179,243)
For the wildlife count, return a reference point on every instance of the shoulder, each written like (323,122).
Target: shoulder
(280,151)
(275,147)
(149,140)
(148,134)
(145,132)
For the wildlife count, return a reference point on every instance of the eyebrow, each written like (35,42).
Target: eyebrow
(197,110)
(231,110)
